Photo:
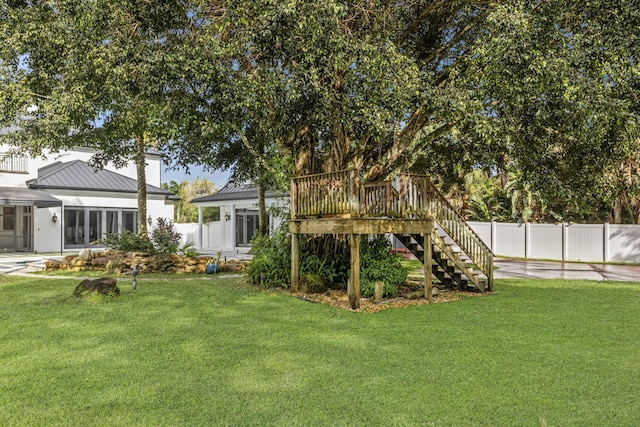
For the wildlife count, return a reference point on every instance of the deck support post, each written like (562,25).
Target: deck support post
(354,289)
(428,272)
(295,262)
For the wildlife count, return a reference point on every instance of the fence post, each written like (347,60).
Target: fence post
(565,241)
(527,240)
(493,236)
(605,242)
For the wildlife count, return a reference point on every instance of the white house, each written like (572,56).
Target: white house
(60,202)
(228,220)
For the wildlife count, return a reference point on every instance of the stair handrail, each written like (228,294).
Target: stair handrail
(422,198)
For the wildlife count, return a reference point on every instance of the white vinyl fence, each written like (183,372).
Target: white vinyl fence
(189,232)
(562,242)
(211,239)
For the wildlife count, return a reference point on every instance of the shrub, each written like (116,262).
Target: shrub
(378,264)
(128,242)
(164,237)
(334,271)
(188,250)
(271,263)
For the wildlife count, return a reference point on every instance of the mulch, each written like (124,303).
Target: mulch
(340,299)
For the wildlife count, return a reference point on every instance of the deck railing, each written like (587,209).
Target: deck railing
(409,196)
(380,199)
(332,193)
(424,199)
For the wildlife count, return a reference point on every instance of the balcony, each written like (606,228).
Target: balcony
(13,163)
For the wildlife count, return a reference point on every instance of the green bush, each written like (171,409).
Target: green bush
(188,249)
(128,242)
(271,263)
(164,237)
(378,264)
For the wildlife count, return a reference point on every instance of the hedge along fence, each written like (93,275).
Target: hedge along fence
(562,242)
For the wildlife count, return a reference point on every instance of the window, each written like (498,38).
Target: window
(112,222)
(8,218)
(84,226)
(210,214)
(129,221)
(95,226)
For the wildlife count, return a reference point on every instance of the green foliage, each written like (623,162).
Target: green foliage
(188,249)
(128,242)
(377,263)
(184,210)
(333,270)
(164,237)
(271,263)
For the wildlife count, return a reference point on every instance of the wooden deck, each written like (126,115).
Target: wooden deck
(409,207)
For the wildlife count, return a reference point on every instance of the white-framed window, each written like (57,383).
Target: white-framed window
(8,218)
(83,226)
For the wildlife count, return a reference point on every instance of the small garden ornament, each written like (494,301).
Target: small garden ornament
(134,273)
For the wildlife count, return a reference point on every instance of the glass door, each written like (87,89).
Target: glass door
(246,226)
(74,227)
(27,228)
(95,226)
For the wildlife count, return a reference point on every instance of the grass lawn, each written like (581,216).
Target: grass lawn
(216,352)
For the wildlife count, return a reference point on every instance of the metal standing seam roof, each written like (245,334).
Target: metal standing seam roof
(79,175)
(233,191)
(19,196)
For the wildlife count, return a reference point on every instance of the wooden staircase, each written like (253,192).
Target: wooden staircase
(450,267)
(410,207)
(460,258)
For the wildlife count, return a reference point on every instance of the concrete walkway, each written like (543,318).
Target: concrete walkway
(504,268)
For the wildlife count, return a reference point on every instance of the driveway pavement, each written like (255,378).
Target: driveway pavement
(527,269)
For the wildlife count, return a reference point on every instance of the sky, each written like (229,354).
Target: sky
(219,178)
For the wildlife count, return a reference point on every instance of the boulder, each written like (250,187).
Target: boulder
(100,261)
(86,255)
(53,264)
(232,266)
(103,286)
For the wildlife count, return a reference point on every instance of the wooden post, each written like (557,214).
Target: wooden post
(354,191)
(295,260)
(428,274)
(377,293)
(294,199)
(354,290)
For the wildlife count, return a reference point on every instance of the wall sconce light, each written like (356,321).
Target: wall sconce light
(227,216)
(149,220)
(54,218)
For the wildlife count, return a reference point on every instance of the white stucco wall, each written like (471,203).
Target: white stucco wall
(221,235)
(153,169)
(48,236)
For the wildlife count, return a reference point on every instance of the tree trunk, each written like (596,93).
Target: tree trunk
(263,221)
(141,173)
(617,210)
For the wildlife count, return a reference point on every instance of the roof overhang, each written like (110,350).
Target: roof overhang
(17,196)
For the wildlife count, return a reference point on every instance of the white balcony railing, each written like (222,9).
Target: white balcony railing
(13,163)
